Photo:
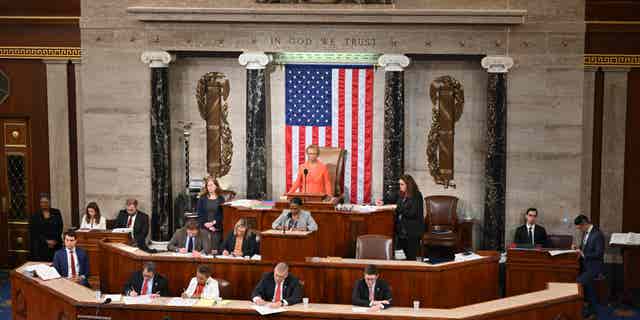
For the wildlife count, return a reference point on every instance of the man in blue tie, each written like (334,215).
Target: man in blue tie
(190,239)
(72,262)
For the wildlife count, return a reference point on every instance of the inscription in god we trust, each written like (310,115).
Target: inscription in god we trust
(306,42)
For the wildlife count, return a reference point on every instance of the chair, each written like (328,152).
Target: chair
(373,246)
(225,288)
(333,158)
(441,221)
(559,241)
(111,224)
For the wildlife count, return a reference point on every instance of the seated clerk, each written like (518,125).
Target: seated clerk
(202,285)
(72,262)
(147,282)
(130,217)
(240,242)
(371,291)
(190,239)
(530,232)
(295,219)
(277,288)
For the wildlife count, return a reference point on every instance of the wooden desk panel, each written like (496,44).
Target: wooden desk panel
(440,286)
(288,246)
(337,231)
(62,299)
(531,270)
(89,241)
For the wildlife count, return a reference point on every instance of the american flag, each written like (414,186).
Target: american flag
(331,106)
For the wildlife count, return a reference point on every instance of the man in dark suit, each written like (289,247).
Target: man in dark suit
(190,239)
(137,220)
(277,288)
(591,260)
(530,232)
(147,282)
(370,291)
(72,262)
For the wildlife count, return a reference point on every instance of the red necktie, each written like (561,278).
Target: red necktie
(278,295)
(198,291)
(145,285)
(129,222)
(73,264)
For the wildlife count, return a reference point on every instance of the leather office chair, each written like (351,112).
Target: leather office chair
(559,241)
(373,246)
(441,221)
(334,159)
(225,288)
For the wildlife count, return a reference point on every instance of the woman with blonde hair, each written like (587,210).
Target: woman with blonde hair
(209,209)
(313,176)
(240,242)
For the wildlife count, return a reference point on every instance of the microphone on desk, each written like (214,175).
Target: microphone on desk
(305,172)
(106,301)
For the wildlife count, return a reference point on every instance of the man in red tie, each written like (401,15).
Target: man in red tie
(147,282)
(72,262)
(136,220)
(370,291)
(277,288)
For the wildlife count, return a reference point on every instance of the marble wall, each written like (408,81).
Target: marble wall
(545,92)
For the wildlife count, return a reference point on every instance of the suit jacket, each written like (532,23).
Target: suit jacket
(266,289)
(593,252)
(41,230)
(410,216)
(160,284)
(360,294)
(140,226)
(249,244)
(179,240)
(305,220)
(61,264)
(539,235)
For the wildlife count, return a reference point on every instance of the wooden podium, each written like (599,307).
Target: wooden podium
(89,239)
(289,246)
(630,260)
(530,270)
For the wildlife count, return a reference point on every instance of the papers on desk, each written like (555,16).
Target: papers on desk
(181,302)
(43,271)
(252,204)
(359,309)
(469,257)
(205,303)
(264,310)
(554,253)
(129,248)
(229,257)
(146,299)
(122,230)
(625,238)
(113,297)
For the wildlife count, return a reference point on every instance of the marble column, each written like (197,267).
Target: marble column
(393,160)
(496,163)
(161,196)
(59,159)
(256,62)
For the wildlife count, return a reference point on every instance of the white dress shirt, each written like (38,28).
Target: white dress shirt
(210,290)
(101,225)
(586,236)
(77,264)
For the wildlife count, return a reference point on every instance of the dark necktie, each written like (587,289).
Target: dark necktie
(129,221)
(73,264)
(531,235)
(189,244)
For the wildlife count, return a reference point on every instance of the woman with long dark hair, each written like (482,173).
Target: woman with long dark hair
(92,219)
(45,228)
(209,209)
(409,219)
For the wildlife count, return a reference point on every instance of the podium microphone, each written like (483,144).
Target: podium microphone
(106,301)
(305,172)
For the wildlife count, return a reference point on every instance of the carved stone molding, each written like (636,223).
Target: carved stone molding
(394,62)
(497,64)
(255,60)
(157,59)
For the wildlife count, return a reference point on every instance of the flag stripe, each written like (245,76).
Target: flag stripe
(346,134)
(368,136)
(288,144)
(295,134)
(362,76)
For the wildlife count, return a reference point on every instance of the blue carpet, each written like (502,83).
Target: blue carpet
(609,313)
(5,296)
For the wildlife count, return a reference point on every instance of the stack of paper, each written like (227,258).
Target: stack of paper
(146,299)
(180,302)
(43,271)
(625,238)
(554,253)
(122,230)
(264,310)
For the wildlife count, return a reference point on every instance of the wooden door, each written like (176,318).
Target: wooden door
(16,192)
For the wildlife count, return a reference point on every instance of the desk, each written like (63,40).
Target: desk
(630,260)
(288,246)
(445,285)
(337,231)
(531,270)
(62,299)
(88,240)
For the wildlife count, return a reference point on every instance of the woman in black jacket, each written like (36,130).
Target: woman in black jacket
(240,242)
(45,230)
(209,209)
(409,219)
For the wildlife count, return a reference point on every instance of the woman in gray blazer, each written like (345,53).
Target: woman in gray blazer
(295,219)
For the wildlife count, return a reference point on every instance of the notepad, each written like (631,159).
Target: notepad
(205,303)
(181,302)
(263,310)
(146,299)
(44,271)
(359,309)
